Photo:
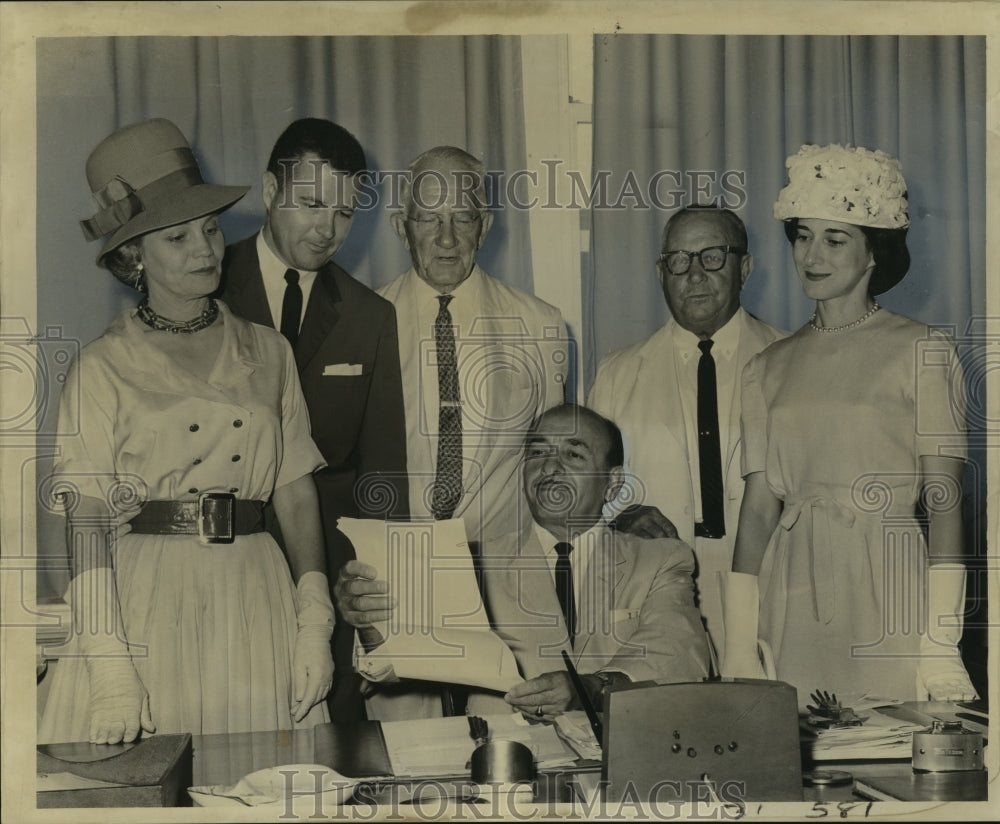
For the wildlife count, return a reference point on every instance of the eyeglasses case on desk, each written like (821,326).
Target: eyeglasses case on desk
(153,772)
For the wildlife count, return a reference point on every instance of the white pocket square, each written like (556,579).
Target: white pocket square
(340,369)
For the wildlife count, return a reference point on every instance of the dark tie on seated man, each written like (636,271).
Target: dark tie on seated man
(621,606)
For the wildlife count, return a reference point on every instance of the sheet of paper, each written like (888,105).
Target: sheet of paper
(574,728)
(439,630)
(53,782)
(442,746)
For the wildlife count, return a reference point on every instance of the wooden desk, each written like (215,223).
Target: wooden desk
(353,750)
(224,759)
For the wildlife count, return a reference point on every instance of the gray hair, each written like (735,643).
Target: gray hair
(470,176)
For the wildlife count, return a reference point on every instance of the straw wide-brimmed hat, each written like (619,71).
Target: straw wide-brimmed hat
(144,177)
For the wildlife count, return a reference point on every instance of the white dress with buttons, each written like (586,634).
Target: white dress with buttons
(212,628)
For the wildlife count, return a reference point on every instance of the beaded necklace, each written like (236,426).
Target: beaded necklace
(858,322)
(186,327)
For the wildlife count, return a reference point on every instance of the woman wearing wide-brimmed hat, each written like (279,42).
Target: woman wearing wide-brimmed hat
(848,423)
(192,620)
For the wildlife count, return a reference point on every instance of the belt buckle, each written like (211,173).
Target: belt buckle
(208,535)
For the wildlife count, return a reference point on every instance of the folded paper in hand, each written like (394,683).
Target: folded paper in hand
(439,630)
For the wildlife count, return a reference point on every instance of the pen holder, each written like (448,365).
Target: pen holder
(503,766)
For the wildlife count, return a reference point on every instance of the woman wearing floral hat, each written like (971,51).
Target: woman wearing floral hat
(183,420)
(847,425)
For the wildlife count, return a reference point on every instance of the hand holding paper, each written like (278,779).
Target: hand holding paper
(414,586)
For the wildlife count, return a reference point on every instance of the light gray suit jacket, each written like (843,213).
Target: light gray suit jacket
(635,608)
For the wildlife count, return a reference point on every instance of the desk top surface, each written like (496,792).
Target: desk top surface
(357,750)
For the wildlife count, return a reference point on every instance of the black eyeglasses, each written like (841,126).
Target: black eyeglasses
(712,259)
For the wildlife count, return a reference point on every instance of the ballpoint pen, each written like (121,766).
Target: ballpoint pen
(574,676)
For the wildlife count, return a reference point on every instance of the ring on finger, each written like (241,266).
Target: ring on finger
(538,712)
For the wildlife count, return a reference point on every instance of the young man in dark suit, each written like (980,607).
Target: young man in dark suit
(343,335)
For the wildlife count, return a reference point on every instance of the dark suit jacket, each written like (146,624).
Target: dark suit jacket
(357,420)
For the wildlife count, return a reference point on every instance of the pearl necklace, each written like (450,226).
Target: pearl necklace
(186,327)
(858,322)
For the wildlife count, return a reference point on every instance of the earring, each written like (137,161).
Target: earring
(139,279)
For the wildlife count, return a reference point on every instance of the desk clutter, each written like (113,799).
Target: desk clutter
(724,742)
(938,736)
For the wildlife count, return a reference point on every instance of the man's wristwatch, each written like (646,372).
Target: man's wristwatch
(605,679)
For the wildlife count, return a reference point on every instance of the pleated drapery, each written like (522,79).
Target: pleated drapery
(702,106)
(232,97)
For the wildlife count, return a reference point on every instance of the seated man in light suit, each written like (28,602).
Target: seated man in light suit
(621,606)
(625,610)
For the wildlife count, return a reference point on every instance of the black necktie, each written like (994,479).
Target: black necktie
(564,587)
(291,307)
(713,519)
(448,475)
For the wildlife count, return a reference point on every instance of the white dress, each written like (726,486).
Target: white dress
(838,422)
(212,628)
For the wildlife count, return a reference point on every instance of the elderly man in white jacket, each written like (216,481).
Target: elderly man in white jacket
(651,390)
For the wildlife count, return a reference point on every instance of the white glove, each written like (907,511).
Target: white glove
(740,614)
(941,670)
(119,703)
(312,662)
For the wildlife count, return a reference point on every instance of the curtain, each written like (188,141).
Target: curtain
(721,113)
(232,97)
(700,107)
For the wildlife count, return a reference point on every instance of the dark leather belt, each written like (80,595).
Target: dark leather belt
(701,531)
(216,518)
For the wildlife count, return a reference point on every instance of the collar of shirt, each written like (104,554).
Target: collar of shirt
(584,545)
(724,341)
(272,271)
(463,306)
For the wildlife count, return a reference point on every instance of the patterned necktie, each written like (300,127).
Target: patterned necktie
(448,477)
(713,519)
(564,587)
(291,307)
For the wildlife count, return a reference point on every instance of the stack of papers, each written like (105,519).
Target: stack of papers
(443,747)
(881,736)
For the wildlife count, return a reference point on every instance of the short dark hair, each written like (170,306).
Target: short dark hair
(333,144)
(732,222)
(616,448)
(888,248)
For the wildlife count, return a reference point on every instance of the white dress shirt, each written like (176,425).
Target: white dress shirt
(272,270)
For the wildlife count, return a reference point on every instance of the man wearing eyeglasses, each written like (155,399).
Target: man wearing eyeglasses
(683,444)
(480,361)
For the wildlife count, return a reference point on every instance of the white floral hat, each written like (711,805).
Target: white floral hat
(846,184)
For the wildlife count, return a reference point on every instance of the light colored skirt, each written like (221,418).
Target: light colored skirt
(212,631)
